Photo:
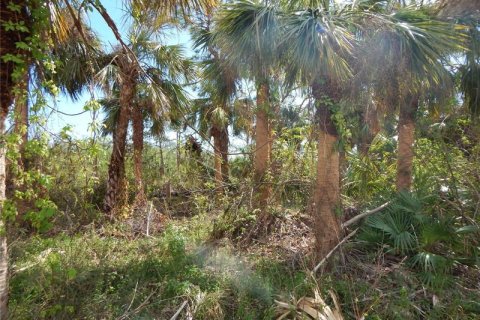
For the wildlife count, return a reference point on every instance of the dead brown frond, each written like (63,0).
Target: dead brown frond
(309,308)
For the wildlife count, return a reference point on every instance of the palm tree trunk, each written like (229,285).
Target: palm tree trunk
(8,39)
(162,160)
(370,119)
(178,151)
(140,198)
(459,9)
(220,144)
(215,133)
(262,152)
(116,168)
(326,196)
(406,139)
(223,145)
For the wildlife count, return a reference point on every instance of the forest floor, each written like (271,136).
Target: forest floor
(180,271)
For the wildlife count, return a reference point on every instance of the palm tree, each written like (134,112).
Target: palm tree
(152,88)
(319,45)
(248,33)
(127,78)
(154,114)
(219,84)
(414,47)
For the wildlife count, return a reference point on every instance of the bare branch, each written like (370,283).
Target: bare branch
(365,214)
(351,234)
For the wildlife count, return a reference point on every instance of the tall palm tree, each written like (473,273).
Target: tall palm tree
(219,84)
(319,44)
(152,88)
(414,46)
(154,114)
(248,33)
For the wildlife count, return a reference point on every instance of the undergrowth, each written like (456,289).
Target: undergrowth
(96,276)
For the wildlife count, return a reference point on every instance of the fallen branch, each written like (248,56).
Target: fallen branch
(148,218)
(351,234)
(179,310)
(127,314)
(365,214)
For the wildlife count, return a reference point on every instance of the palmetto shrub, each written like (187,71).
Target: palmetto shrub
(432,243)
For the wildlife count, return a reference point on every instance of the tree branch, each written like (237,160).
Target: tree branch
(365,214)
(351,234)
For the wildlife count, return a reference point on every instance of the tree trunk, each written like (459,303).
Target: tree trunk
(406,139)
(116,168)
(140,198)
(262,152)
(370,119)
(215,133)
(220,144)
(223,145)
(8,39)
(459,9)
(162,160)
(326,196)
(178,151)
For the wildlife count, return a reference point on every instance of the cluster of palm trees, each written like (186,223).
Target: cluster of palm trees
(393,54)
(140,77)
(397,55)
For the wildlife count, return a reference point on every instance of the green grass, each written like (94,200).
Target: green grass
(93,276)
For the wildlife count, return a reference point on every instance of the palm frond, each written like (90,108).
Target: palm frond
(318,42)
(156,13)
(110,108)
(421,43)
(248,33)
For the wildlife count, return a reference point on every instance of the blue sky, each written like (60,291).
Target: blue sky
(80,123)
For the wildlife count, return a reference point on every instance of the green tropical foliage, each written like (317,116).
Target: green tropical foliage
(345,97)
(433,244)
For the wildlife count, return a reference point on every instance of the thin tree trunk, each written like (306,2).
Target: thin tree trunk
(116,168)
(326,196)
(223,145)
(162,160)
(370,119)
(178,151)
(220,144)
(140,198)
(406,139)
(215,133)
(262,152)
